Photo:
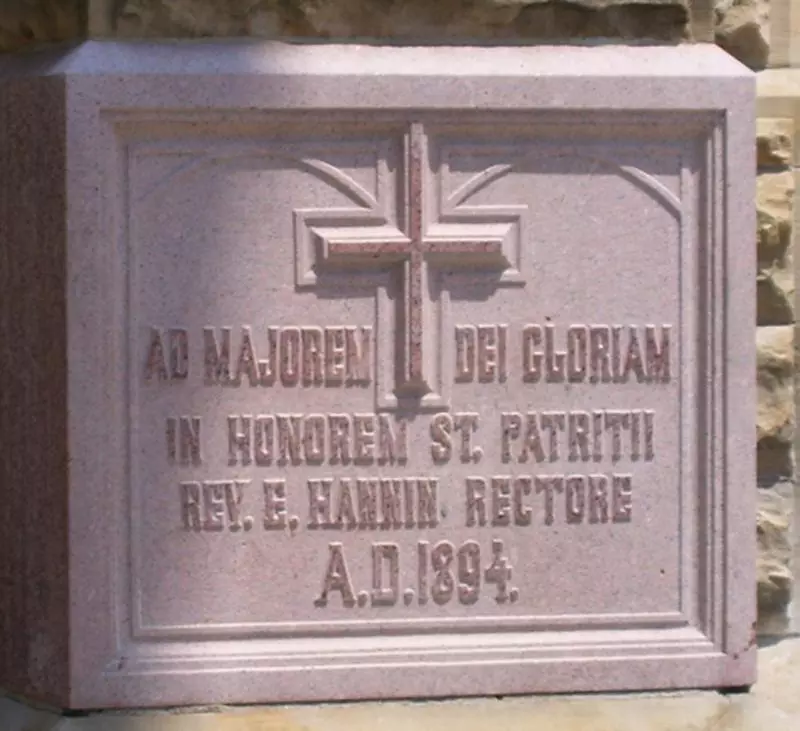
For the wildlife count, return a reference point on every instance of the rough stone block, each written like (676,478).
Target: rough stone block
(774,142)
(35,22)
(775,213)
(776,295)
(444,19)
(742,29)
(775,549)
(775,375)
(775,206)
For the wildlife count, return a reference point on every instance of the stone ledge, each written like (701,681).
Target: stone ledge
(773,703)
(778,95)
(776,83)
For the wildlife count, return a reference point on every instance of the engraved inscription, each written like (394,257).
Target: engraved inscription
(596,354)
(275,504)
(183,440)
(445,428)
(214,505)
(445,573)
(167,355)
(440,571)
(337,578)
(390,494)
(481,353)
(289,356)
(578,436)
(373,503)
(505,500)
(385,574)
(315,439)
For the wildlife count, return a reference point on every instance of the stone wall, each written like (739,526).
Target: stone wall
(740,26)
(659,19)
(25,22)
(29,22)
(776,368)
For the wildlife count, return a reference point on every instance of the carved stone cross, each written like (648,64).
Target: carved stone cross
(418,251)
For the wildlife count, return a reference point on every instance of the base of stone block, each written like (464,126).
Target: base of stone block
(773,703)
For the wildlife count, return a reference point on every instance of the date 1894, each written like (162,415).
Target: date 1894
(444,571)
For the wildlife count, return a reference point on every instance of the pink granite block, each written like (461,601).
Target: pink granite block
(341,372)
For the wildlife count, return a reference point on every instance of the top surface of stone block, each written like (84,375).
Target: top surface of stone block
(300,59)
(407,372)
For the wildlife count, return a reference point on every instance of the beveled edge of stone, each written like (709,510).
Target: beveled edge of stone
(246,56)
